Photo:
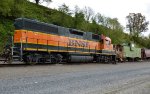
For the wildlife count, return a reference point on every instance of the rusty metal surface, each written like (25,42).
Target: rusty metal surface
(119,52)
(147,52)
(5,56)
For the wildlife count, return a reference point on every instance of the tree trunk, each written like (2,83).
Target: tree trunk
(37,1)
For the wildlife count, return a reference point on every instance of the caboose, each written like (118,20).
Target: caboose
(127,52)
(39,42)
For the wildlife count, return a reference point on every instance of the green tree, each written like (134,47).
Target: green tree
(102,20)
(18,8)
(88,13)
(78,17)
(12,8)
(94,27)
(114,24)
(5,7)
(6,31)
(65,9)
(63,16)
(136,24)
(148,42)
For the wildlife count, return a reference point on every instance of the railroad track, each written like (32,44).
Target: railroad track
(20,64)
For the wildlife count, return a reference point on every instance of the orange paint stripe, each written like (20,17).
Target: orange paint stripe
(63,40)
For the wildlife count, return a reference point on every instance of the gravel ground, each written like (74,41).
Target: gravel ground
(123,78)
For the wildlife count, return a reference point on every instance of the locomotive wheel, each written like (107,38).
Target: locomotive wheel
(31,59)
(59,58)
(113,60)
(9,60)
(53,59)
(136,59)
(98,59)
(106,60)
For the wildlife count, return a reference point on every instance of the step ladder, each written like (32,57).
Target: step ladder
(16,54)
(16,51)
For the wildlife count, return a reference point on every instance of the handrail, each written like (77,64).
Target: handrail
(44,39)
(95,48)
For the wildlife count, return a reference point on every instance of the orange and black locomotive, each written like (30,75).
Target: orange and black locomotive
(39,42)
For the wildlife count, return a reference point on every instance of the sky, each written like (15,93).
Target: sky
(110,8)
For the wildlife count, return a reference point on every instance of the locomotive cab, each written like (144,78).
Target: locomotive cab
(106,49)
(106,43)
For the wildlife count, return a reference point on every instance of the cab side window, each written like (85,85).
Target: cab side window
(102,41)
(107,42)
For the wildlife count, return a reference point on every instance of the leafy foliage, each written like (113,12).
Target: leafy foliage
(82,19)
(6,31)
(12,8)
(136,24)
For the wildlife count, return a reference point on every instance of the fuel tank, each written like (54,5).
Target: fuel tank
(77,58)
